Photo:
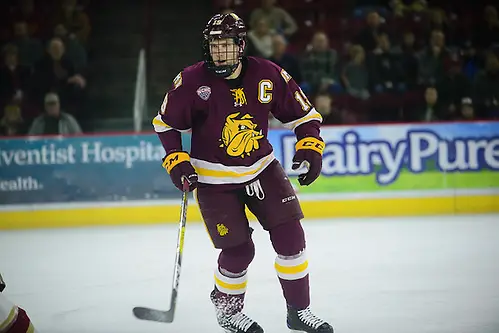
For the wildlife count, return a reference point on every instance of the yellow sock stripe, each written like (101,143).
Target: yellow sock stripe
(31,328)
(310,143)
(11,318)
(292,270)
(173,159)
(230,288)
(230,285)
(233,286)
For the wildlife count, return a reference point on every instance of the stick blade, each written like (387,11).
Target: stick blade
(153,315)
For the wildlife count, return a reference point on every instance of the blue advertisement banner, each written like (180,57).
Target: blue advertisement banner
(401,157)
(387,150)
(82,169)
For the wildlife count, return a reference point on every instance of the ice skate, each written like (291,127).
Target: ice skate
(230,316)
(305,321)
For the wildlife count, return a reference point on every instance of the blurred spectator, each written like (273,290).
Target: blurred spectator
(284,59)
(30,50)
(25,11)
(467,112)
(14,78)
(74,19)
(408,60)
(438,20)
(453,87)
(471,61)
(487,31)
(12,121)
(431,60)
(75,52)
(55,72)
(324,105)
(319,65)
(486,87)
(279,20)
(368,37)
(385,73)
(355,77)
(408,42)
(260,40)
(429,110)
(54,121)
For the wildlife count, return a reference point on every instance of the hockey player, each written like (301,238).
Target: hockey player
(13,319)
(225,101)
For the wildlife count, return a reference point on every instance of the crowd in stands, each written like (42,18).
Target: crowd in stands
(43,69)
(358,60)
(399,60)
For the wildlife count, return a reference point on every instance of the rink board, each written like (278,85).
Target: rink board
(367,171)
(156,213)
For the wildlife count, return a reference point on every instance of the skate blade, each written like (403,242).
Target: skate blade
(295,331)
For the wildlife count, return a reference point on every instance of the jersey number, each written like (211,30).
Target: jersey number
(303,100)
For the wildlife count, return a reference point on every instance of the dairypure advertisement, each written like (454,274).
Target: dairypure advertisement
(402,157)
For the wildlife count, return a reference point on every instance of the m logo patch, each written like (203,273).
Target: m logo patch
(222,229)
(239,97)
(204,92)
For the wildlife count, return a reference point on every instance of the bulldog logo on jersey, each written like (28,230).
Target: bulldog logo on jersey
(239,97)
(239,135)
(204,92)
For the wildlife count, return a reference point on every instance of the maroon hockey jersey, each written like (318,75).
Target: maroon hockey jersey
(229,118)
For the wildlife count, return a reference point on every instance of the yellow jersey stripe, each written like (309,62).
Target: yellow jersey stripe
(213,170)
(159,122)
(159,125)
(311,115)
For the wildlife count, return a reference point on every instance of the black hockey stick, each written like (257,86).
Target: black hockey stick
(167,316)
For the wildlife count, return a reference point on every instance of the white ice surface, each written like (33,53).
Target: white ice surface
(429,275)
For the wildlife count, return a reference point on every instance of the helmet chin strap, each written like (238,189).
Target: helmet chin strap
(227,70)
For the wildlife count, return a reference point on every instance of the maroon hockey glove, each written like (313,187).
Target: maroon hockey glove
(178,165)
(309,154)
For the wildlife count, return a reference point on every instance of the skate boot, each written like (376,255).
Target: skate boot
(2,284)
(230,316)
(305,321)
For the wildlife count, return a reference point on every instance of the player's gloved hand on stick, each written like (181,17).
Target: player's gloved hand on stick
(181,171)
(308,154)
